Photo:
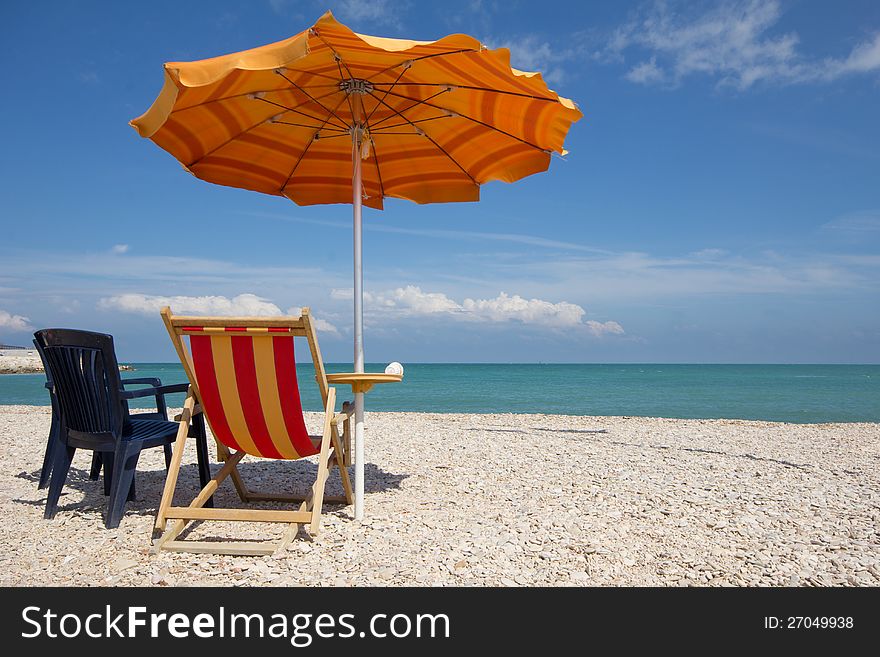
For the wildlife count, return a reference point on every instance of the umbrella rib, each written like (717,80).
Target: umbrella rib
(470,118)
(245,131)
(407,109)
(313,127)
(398,125)
(400,75)
(317,75)
(306,149)
(341,76)
(314,100)
(315,31)
(248,93)
(470,88)
(429,138)
(418,59)
(308,116)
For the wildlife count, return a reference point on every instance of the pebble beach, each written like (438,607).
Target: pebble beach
(492,500)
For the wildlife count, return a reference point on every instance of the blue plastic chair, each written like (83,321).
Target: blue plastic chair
(90,411)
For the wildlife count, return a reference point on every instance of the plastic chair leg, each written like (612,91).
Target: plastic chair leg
(108,460)
(124,466)
(95,472)
(52,445)
(60,467)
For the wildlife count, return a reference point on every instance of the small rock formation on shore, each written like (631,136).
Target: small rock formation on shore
(31,364)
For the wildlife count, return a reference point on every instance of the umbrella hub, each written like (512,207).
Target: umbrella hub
(356,86)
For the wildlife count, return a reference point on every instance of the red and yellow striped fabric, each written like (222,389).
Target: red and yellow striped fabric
(438,118)
(258,414)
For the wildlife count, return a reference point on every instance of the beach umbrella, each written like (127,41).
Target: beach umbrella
(331,116)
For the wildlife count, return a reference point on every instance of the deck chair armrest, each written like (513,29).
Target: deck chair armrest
(196,410)
(346,413)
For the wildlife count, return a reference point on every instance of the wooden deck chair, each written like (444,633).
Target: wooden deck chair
(242,374)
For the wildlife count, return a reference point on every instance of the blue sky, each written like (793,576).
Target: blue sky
(720,202)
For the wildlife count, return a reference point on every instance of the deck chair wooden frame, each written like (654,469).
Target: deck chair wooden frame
(258,338)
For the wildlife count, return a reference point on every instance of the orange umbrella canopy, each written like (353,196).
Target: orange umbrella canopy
(435,120)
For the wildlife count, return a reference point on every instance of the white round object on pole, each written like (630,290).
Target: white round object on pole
(394,368)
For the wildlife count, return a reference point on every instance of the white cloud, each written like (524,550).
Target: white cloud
(531,311)
(414,301)
(861,223)
(145,304)
(411,301)
(119,249)
(646,72)
(533,53)
(245,305)
(378,12)
(603,328)
(320,324)
(14,322)
(733,43)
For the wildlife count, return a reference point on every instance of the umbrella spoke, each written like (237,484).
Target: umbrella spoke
(429,138)
(317,33)
(465,86)
(400,75)
(341,77)
(317,75)
(418,59)
(398,125)
(239,134)
(407,109)
(313,99)
(313,127)
(308,146)
(469,118)
(308,116)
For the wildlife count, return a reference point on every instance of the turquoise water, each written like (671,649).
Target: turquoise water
(786,393)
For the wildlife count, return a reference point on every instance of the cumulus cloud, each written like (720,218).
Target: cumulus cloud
(412,301)
(733,42)
(248,305)
(146,304)
(320,324)
(527,311)
(14,322)
(119,249)
(604,328)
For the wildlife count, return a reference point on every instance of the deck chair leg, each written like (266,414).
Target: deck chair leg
(240,487)
(176,458)
(318,486)
(63,459)
(168,451)
(200,500)
(339,456)
(124,466)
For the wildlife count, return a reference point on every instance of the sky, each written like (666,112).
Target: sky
(720,202)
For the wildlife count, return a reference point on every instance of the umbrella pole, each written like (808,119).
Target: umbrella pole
(357,204)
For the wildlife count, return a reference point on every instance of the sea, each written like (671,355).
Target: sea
(782,393)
